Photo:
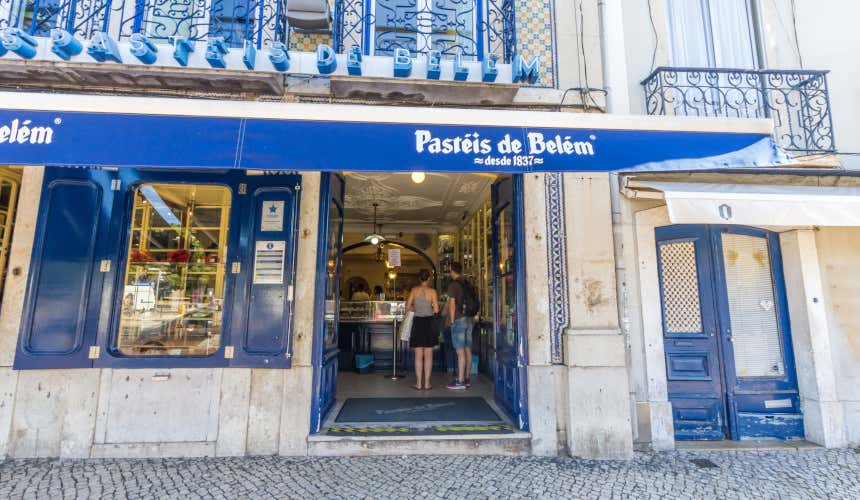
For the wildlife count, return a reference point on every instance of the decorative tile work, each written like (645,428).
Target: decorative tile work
(307,42)
(536,36)
(556,256)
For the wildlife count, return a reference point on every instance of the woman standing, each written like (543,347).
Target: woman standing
(424,302)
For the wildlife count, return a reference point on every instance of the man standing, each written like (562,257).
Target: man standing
(461,327)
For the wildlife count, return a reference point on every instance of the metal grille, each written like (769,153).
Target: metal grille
(752,308)
(798,101)
(679,280)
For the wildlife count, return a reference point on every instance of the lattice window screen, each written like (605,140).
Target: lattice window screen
(680,283)
(752,308)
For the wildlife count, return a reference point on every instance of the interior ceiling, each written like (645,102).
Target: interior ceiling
(438,203)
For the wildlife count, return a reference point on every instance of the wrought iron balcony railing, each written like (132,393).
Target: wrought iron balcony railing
(472,28)
(797,101)
(261,22)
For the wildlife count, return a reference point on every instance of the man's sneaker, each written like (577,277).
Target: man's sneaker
(468,383)
(456,386)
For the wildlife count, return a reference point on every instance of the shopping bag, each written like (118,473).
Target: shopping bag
(406,327)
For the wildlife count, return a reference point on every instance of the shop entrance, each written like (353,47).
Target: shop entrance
(382,232)
(729,362)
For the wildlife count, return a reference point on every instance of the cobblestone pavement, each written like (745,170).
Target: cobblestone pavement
(813,473)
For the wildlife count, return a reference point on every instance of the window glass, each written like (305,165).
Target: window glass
(755,332)
(234,20)
(709,33)
(421,25)
(332,288)
(174,283)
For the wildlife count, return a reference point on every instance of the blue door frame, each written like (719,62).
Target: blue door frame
(510,394)
(325,340)
(510,346)
(709,400)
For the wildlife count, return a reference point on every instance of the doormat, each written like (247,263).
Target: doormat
(416,410)
(435,430)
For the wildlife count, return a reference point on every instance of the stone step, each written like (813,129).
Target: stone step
(518,443)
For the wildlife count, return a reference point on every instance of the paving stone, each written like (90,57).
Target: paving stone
(814,473)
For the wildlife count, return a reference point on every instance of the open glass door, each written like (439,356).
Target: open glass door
(509,362)
(328,285)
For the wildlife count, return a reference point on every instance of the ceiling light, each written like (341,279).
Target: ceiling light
(418,177)
(374,238)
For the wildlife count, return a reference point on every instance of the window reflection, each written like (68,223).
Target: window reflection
(174,283)
(332,269)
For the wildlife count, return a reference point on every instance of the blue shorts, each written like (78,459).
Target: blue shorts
(461,333)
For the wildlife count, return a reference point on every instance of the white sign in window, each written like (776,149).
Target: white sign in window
(269,262)
(272,218)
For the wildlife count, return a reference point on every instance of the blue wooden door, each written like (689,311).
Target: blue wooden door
(328,293)
(729,363)
(509,305)
(693,371)
(755,339)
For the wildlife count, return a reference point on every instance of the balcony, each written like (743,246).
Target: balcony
(471,29)
(262,22)
(796,101)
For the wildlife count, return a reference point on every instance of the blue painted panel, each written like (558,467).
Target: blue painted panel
(60,313)
(268,317)
(65,268)
(774,426)
(689,365)
(127,140)
(697,417)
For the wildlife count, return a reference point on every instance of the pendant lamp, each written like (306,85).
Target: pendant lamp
(374,238)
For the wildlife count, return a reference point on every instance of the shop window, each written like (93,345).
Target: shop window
(173,291)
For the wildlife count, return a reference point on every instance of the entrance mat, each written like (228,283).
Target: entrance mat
(416,410)
(436,430)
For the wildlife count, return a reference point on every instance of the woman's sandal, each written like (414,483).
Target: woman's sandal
(417,388)
(428,388)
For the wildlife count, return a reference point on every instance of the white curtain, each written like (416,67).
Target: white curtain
(689,39)
(711,33)
(732,34)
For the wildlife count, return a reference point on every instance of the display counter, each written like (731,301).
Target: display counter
(369,327)
(378,311)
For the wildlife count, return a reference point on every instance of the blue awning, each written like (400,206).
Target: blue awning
(147,140)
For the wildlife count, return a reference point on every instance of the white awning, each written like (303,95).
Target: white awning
(754,204)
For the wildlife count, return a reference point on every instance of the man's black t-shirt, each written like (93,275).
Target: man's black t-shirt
(455,291)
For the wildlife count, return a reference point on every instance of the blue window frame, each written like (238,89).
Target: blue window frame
(78,283)
(419,26)
(473,28)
